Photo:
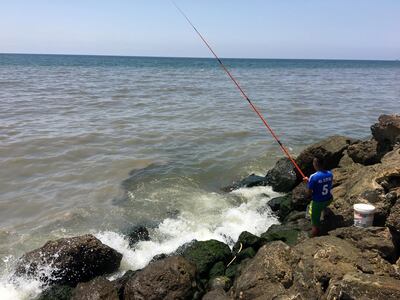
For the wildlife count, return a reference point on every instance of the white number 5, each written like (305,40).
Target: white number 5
(325,190)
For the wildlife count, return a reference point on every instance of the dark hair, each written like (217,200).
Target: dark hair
(320,160)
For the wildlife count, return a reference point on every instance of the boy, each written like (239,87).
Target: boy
(319,186)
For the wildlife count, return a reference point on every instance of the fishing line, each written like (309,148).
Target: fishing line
(283,148)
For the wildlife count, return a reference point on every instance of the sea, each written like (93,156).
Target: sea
(102,144)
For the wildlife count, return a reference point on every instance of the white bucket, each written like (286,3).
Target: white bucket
(363,214)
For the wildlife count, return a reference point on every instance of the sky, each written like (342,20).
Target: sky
(321,29)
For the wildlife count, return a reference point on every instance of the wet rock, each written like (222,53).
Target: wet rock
(275,203)
(364,286)
(393,221)
(268,275)
(300,197)
(71,260)
(217,294)
(387,130)
(249,181)
(205,254)
(158,257)
(220,282)
(138,234)
(121,282)
(284,203)
(282,177)
(248,239)
(57,292)
(170,278)
(181,249)
(97,289)
(375,239)
(331,149)
(365,153)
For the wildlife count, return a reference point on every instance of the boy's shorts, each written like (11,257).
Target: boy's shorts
(315,210)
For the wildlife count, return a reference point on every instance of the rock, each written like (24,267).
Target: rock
(387,130)
(231,271)
(217,294)
(220,282)
(97,289)
(331,149)
(281,233)
(275,203)
(56,292)
(366,184)
(282,177)
(249,181)
(245,254)
(217,270)
(72,260)
(300,197)
(365,153)
(121,282)
(138,234)
(170,278)
(327,259)
(364,286)
(158,257)
(393,221)
(205,254)
(285,205)
(268,274)
(375,239)
(248,239)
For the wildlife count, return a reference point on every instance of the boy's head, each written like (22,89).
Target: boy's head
(319,163)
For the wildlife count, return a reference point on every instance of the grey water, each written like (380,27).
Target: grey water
(100,143)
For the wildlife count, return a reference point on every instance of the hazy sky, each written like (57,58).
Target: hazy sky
(363,29)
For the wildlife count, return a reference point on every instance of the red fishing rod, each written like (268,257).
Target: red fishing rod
(283,148)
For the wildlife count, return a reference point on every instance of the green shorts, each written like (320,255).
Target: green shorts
(315,210)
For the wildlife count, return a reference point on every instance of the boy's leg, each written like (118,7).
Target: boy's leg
(315,212)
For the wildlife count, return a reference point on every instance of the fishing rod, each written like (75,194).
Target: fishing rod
(283,148)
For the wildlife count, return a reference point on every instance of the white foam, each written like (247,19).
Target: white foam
(221,224)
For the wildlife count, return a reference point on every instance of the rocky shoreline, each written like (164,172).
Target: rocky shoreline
(347,262)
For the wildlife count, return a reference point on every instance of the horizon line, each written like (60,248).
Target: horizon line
(191,57)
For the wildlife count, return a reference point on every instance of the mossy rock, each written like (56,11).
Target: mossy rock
(246,253)
(285,207)
(57,292)
(280,233)
(205,254)
(231,271)
(217,270)
(248,239)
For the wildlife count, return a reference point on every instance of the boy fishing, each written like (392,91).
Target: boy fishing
(319,186)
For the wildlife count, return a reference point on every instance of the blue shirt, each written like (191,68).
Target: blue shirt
(321,185)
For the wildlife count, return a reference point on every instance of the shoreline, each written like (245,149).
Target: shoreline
(283,261)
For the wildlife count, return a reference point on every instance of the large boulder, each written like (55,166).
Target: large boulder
(375,239)
(282,177)
(97,289)
(281,205)
(364,286)
(331,149)
(56,292)
(246,240)
(170,278)
(69,260)
(365,152)
(387,130)
(204,254)
(268,275)
(137,234)
(365,184)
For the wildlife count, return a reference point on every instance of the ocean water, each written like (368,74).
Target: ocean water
(93,144)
